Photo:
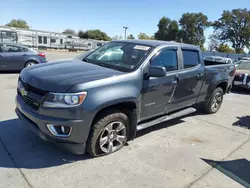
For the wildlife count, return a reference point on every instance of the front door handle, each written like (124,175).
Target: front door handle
(199,75)
(176,80)
(24,54)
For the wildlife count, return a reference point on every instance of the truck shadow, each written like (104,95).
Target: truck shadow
(159,126)
(241,91)
(20,148)
(243,122)
(238,170)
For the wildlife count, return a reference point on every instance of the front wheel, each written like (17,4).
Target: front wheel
(108,134)
(214,103)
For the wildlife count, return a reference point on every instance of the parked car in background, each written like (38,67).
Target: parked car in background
(245,58)
(14,57)
(99,102)
(218,61)
(242,75)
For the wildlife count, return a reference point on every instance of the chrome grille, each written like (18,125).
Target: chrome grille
(34,96)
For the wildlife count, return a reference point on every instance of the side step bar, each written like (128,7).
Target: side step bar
(166,118)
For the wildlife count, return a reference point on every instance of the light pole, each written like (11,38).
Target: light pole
(125,31)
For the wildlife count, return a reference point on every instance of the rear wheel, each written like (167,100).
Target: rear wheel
(108,134)
(214,103)
(30,63)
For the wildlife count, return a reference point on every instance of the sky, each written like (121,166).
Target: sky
(110,15)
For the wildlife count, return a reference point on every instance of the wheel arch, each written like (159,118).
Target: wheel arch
(30,60)
(222,84)
(127,107)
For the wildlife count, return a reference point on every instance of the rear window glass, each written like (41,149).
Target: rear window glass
(12,48)
(190,58)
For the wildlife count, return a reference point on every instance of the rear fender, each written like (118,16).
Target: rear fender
(212,87)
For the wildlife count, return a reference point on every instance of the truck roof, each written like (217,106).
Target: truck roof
(156,43)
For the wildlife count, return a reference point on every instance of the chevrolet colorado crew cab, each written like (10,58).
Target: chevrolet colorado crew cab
(98,103)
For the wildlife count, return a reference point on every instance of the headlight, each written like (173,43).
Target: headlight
(64,100)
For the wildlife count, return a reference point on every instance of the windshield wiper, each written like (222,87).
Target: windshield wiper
(85,59)
(106,65)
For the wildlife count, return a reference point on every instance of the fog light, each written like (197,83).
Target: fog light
(59,130)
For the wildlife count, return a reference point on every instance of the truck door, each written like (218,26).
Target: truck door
(157,92)
(191,79)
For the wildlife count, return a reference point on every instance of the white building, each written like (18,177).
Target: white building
(46,39)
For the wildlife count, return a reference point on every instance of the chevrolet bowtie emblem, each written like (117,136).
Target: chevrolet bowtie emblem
(23,92)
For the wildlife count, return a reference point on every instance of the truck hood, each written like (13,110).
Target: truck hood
(59,76)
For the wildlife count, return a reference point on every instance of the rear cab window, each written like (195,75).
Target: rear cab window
(191,58)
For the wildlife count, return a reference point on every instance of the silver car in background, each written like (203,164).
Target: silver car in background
(15,57)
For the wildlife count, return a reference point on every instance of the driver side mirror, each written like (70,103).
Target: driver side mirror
(157,71)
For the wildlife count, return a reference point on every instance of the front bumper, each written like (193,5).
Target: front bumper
(36,122)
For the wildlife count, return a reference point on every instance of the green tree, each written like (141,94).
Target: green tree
(203,48)
(167,30)
(69,31)
(242,51)
(18,23)
(94,34)
(214,41)
(234,27)
(144,36)
(117,37)
(130,37)
(225,49)
(81,34)
(192,27)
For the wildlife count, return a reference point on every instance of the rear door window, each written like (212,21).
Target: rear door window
(13,49)
(190,58)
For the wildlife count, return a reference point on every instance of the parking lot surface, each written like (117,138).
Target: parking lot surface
(195,151)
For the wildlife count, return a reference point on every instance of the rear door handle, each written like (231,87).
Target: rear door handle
(24,54)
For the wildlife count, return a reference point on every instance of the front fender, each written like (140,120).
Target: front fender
(103,97)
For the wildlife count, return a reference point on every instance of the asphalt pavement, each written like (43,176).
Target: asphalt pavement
(194,151)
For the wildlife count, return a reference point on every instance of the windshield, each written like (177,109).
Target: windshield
(81,56)
(244,65)
(119,55)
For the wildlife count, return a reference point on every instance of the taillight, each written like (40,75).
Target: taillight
(41,55)
(234,71)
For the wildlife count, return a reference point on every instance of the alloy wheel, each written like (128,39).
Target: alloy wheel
(113,137)
(217,101)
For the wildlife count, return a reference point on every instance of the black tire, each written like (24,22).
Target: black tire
(93,146)
(30,62)
(209,106)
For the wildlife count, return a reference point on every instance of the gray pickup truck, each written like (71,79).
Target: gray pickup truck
(98,103)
